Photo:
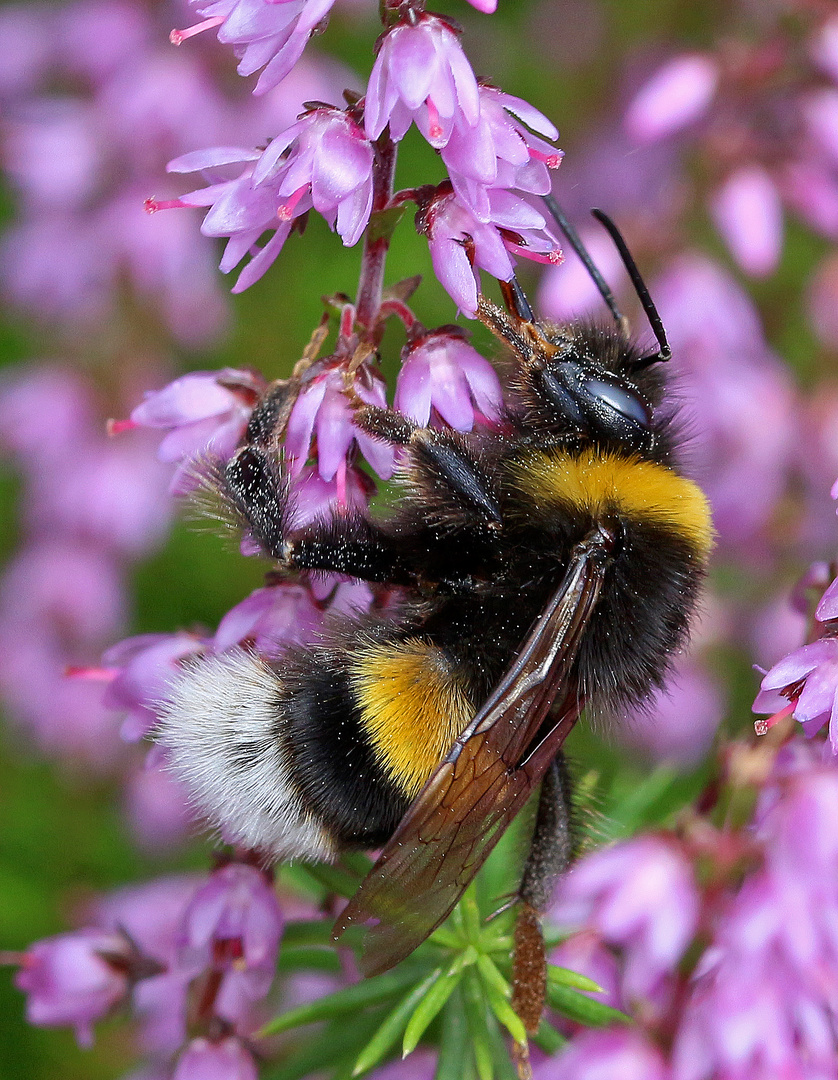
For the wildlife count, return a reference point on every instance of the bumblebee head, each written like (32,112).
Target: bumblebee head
(583,381)
(579,395)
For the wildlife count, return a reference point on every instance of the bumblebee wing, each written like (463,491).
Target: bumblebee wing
(473,795)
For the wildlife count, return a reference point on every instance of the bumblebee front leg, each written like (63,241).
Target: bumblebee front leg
(258,489)
(551,851)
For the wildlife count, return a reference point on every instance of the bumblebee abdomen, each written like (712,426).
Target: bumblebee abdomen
(321,751)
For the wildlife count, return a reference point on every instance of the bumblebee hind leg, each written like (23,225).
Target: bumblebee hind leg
(551,851)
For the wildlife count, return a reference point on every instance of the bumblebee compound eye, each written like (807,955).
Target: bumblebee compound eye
(599,404)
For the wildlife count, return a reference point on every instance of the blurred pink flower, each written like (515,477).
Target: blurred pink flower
(639,896)
(676,95)
(74,979)
(234,922)
(227,1059)
(610,1054)
(749,215)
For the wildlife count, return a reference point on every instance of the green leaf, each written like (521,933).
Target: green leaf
(372,991)
(582,1009)
(561,976)
(394,1024)
(333,879)
(453,1045)
(292,958)
(480,1021)
(383,222)
(335,1044)
(434,999)
(548,1039)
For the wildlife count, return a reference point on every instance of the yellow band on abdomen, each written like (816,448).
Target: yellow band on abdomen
(413,706)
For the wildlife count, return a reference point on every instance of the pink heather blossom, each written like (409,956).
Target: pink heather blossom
(568,292)
(460,244)
(762,1000)
(97,38)
(639,896)
(421,74)
(270,36)
(749,216)
(322,162)
(612,1054)
(488,7)
(227,1059)
(442,372)
(678,723)
(824,47)
(805,685)
(74,979)
(810,187)
(313,498)
(152,915)
(820,112)
(323,410)
(140,669)
(76,588)
(270,619)
(828,606)
(234,921)
(678,94)
(207,412)
(499,152)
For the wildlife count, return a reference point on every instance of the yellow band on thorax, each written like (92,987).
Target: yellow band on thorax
(603,483)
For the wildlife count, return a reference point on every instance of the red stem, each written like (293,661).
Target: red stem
(371,281)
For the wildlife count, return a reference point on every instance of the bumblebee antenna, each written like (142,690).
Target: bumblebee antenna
(575,242)
(651,312)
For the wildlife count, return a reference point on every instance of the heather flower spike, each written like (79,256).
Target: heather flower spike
(323,162)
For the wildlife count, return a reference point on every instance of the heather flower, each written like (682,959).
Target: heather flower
(322,162)
(421,74)
(804,685)
(313,498)
(676,95)
(234,922)
(639,896)
(152,915)
(227,1059)
(678,723)
(442,372)
(749,215)
(824,47)
(615,1053)
(74,979)
(270,619)
(460,244)
(828,606)
(323,410)
(264,35)
(207,412)
(140,669)
(499,152)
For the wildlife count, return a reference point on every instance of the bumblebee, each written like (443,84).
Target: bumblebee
(543,569)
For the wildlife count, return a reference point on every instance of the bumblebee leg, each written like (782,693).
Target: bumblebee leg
(349,544)
(550,853)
